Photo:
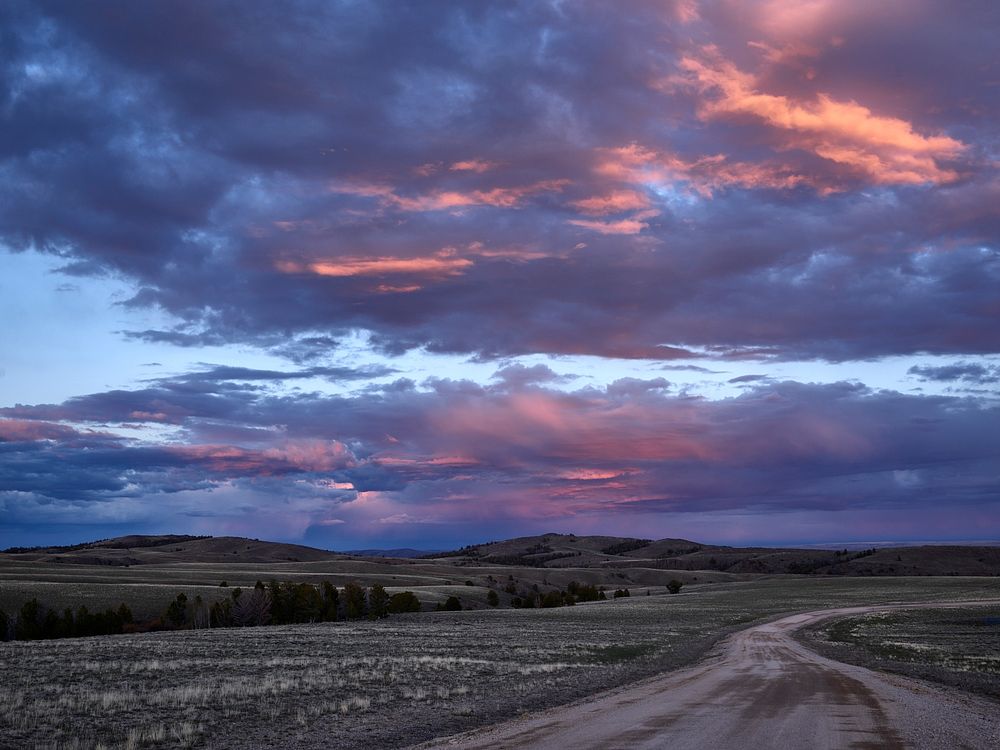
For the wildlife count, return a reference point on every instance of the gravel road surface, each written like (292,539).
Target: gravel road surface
(759,689)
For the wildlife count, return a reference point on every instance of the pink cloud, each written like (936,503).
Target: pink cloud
(622,226)
(440,264)
(294,455)
(686,11)
(444,263)
(640,165)
(614,202)
(440,200)
(473,165)
(18,430)
(882,150)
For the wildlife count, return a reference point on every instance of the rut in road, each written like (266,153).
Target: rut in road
(760,689)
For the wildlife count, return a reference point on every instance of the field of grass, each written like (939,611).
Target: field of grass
(958,647)
(388,683)
(147,589)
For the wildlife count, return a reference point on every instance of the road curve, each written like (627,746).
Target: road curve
(759,689)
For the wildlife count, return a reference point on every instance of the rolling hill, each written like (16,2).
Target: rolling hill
(548,551)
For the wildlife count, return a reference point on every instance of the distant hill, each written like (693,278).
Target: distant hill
(145,550)
(550,551)
(568,550)
(402,553)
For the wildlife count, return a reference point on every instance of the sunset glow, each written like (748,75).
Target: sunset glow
(425,274)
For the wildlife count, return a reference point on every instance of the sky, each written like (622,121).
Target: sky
(422,274)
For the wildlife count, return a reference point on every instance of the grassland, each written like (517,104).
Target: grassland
(388,683)
(958,647)
(148,588)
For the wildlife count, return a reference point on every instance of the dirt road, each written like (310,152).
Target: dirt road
(759,689)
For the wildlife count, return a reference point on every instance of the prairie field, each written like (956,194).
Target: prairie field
(388,683)
(958,647)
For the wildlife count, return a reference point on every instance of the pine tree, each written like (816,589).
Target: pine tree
(378,602)
(331,602)
(176,614)
(354,601)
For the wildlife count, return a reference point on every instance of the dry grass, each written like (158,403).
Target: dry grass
(959,647)
(388,683)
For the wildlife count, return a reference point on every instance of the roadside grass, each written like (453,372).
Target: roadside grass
(388,683)
(956,646)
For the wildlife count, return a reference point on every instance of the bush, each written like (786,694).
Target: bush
(674,586)
(405,601)
(584,593)
(551,599)
(492,598)
(451,604)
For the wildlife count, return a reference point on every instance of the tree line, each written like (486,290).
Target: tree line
(275,603)
(271,604)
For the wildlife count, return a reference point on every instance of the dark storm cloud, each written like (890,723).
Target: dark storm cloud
(525,177)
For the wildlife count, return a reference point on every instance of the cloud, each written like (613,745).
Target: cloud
(441,200)
(969,372)
(454,451)
(436,265)
(881,150)
(274,179)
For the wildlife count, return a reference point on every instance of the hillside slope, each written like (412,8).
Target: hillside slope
(146,550)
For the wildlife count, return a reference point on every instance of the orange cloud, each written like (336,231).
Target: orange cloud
(639,165)
(590,475)
(447,199)
(447,262)
(623,226)
(439,264)
(473,165)
(884,150)
(613,203)
(301,455)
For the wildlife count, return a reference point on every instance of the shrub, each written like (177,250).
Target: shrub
(674,586)
(451,604)
(583,593)
(492,598)
(405,601)
(551,599)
